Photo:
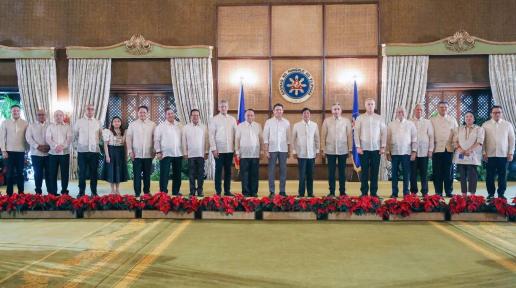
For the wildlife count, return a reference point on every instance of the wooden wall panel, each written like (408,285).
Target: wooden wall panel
(243,31)
(314,67)
(351,30)
(340,81)
(297,30)
(256,90)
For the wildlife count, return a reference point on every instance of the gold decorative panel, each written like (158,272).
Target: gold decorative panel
(243,31)
(351,30)
(340,75)
(256,82)
(297,30)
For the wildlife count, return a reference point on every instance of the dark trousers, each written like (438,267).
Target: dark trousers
(142,170)
(404,160)
(306,176)
(496,166)
(40,166)
(58,162)
(196,172)
(332,166)
(370,161)
(280,157)
(88,163)
(468,178)
(164,174)
(224,161)
(442,172)
(15,164)
(419,165)
(249,176)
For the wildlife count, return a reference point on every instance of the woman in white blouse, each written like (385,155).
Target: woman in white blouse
(468,140)
(115,167)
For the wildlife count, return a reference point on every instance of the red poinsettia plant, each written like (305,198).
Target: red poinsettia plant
(106,202)
(291,204)
(412,203)
(351,204)
(473,203)
(163,202)
(36,202)
(229,205)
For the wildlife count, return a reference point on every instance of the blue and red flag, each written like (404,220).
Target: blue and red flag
(240,116)
(356,160)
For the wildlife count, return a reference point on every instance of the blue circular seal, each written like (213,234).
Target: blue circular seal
(296,85)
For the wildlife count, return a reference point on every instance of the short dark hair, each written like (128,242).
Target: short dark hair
(194,110)
(16,106)
(144,107)
(443,102)
(277,105)
(306,109)
(474,117)
(250,109)
(495,107)
(168,109)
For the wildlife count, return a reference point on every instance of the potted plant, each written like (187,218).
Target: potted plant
(162,206)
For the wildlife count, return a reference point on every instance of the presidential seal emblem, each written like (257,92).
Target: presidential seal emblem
(296,85)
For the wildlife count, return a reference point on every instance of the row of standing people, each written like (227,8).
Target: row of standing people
(409,143)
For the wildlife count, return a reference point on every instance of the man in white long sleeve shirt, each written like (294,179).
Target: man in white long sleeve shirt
(222,128)
(370,139)
(425,148)
(39,148)
(401,149)
(498,151)
(139,140)
(248,141)
(195,149)
(167,143)
(13,146)
(305,147)
(443,126)
(59,138)
(276,140)
(86,133)
(336,144)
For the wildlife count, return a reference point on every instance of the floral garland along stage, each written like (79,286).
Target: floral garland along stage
(228,205)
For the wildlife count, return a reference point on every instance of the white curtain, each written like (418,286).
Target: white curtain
(38,86)
(404,81)
(192,84)
(502,75)
(89,82)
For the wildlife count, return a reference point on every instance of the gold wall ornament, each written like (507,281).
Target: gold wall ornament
(461,41)
(137,45)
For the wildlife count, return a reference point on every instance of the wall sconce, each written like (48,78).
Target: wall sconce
(245,76)
(346,77)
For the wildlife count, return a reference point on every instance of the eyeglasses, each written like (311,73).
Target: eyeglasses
(496,112)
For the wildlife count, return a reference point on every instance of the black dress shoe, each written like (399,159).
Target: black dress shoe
(449,195)
(200,194)
(331,195)
(311,195)
(343,194)
(283,194)
(177,194)
(271,195)
(393,196)
(229,194)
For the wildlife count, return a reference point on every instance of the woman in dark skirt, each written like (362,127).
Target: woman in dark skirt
(115,168)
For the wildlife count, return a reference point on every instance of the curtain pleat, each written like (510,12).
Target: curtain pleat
(89,82)
(37,85)
(502,76)
(192,84)
(404,81)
